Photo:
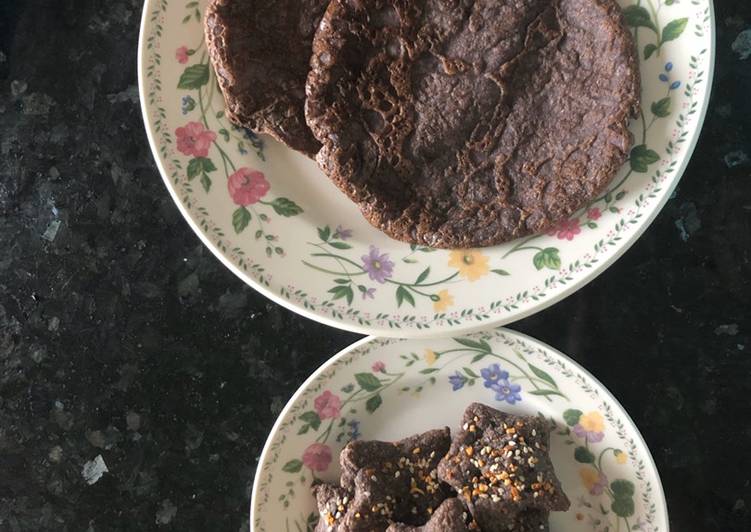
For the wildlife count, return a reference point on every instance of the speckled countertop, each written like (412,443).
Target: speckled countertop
(125,345)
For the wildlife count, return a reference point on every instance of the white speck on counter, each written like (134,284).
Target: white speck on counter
(56,454)
(731,329)
(166,513)
(742,44)
(94,469)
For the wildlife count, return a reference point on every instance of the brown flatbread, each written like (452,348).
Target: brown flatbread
(464,123)
(260,51)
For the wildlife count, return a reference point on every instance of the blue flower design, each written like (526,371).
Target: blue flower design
(493,374)
(675,85)
(354,432)
(457,381)
(188,104)
(506,391)
(668,66)
(663,77)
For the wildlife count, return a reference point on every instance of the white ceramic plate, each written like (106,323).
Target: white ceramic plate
(289,233)
(388,389)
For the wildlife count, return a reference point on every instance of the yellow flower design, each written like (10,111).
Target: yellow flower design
(595,481)
(445,300)
(471,263)
(590,477)
(430,357)
(592,422)
(620,457)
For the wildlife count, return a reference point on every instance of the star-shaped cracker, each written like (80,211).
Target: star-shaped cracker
(499,464)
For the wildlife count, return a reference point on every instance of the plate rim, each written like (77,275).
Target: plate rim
(510,332)
(465,327)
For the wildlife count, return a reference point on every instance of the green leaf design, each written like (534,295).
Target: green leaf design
(293,466)
(240,219)
(547,258)
(623,506)
(637,16)
(205,182)
(572,416)
(673,29)
(324,233)
(545,393)
(303,430)
(348,388)
(543,375)
(661,108)
(372,404)
(478,357)
(500,272)
(341,291)
(642,157)
(194,77)
(474,344)
(286,207)
(423,275)
(584,455)
(339,245)
(311,418)
(368,381)
(470,373)
(402,295)
(649,50)
(428,371)
(199,165)
(622,488)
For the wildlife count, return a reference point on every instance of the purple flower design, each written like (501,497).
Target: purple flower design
(492,374)
(592,437)
(457,381)
(377,265)
(369,293)
(506,391)
(342,233)
(599,485)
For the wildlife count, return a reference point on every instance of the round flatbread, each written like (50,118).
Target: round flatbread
(260,51)
(464,123)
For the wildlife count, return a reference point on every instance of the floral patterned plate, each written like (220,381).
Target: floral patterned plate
(389,389)
(276,221)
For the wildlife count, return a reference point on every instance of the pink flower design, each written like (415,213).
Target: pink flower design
(317,457)
(327,405)
(181,54)
(193,139)
(378,367)
(247,186)
(566,229)
(594,213)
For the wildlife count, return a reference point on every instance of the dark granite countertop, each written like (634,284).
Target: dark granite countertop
(121,336)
